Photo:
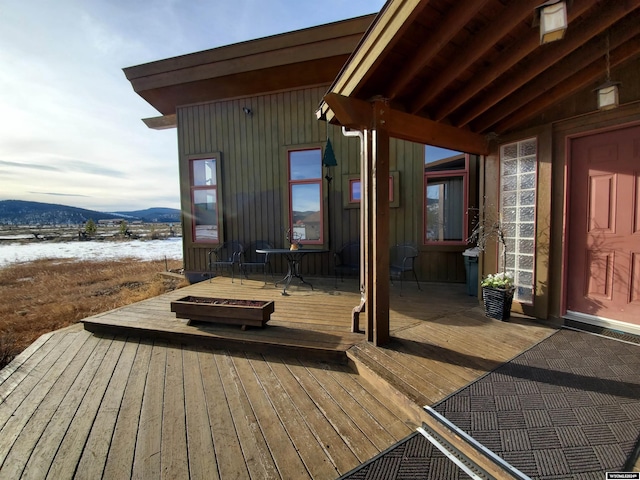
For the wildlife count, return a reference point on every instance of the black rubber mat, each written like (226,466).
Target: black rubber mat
(413,458)
(567,408)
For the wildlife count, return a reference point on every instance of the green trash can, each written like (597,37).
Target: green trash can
(471,268)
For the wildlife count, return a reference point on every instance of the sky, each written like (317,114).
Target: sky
(70,123)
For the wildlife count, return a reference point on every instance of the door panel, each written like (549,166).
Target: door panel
(604,226)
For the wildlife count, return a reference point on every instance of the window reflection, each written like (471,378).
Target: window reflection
(305,209)
(305,190)
(305,164)
(445,180)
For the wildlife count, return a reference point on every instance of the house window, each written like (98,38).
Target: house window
(355,190)
(204,200)
(518,168)
(445,197)
(305,196)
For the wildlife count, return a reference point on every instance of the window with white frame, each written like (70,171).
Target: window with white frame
(518,170)
(305,196)
(204,200)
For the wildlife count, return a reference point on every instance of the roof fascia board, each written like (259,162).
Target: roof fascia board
(387,25)
(336,30)
(259,61)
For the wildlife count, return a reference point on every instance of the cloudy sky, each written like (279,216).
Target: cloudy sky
(70,122)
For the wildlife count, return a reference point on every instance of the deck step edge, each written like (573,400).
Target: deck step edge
(99,327)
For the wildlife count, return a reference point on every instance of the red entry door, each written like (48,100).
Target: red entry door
(604,226)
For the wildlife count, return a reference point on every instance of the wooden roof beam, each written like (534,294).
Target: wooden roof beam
(582,32)
(161,123)
(455,21)
(577,82)
(358,114)
(394,19)
(506,60)
(477,46)
(583,57)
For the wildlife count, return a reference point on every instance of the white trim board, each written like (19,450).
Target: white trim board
(603,322)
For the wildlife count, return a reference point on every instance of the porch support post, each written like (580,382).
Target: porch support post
(378,203)
(366,223)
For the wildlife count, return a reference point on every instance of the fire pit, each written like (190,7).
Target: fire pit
(254,313)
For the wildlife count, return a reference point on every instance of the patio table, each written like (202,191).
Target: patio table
(293,257)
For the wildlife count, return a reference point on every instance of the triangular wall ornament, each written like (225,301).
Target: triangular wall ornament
(329,158)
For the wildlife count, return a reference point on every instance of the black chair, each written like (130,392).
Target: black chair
(226,256)
(252,259)
(347,261)
(401,260)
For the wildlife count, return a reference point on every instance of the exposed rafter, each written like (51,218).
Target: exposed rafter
(561,71)
(575,83)
(516,53)
(457,18)
(476,47)
(583,31)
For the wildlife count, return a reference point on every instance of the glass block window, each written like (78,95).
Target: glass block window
(518,168)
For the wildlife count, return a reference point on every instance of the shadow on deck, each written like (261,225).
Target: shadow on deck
(148,395)
(441,339)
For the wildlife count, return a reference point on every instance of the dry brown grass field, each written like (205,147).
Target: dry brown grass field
(44,295)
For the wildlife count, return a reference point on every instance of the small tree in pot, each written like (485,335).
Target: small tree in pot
(497,288)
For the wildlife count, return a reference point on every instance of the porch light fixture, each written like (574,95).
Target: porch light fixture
(608,91)
(552,16)
(608,95)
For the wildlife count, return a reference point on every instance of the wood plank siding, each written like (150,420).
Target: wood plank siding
(254,179)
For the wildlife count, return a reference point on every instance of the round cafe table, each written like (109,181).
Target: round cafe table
(293,257)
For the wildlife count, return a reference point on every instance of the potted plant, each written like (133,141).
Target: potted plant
(497,288)
(497,294)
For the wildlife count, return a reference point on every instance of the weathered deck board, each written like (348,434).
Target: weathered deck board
(329,438)
(120,457)
(302,437)
(15,391)
(173,454)
(94,454)
(68,454)
(57,427)
(91,406)
(225,440)
(199,439)
(37,405)
(146,462)
(359,443)
(277,440)
(254,447)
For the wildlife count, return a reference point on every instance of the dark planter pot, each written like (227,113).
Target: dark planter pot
(254,313)
(497,302)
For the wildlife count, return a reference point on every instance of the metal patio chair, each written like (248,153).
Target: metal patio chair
(347,261)
(250,259)
(401,260)
(225,257)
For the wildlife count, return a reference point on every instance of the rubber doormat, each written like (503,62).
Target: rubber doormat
(567,408)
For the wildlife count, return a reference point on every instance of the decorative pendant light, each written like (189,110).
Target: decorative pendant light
(608,91)
(552,16)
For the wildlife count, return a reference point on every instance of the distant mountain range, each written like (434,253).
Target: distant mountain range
(19,212)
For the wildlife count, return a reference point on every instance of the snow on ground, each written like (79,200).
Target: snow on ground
(170,248)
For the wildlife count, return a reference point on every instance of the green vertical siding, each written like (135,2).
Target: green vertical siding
(253,184)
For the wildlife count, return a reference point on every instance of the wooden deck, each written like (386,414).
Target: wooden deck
(148,396)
